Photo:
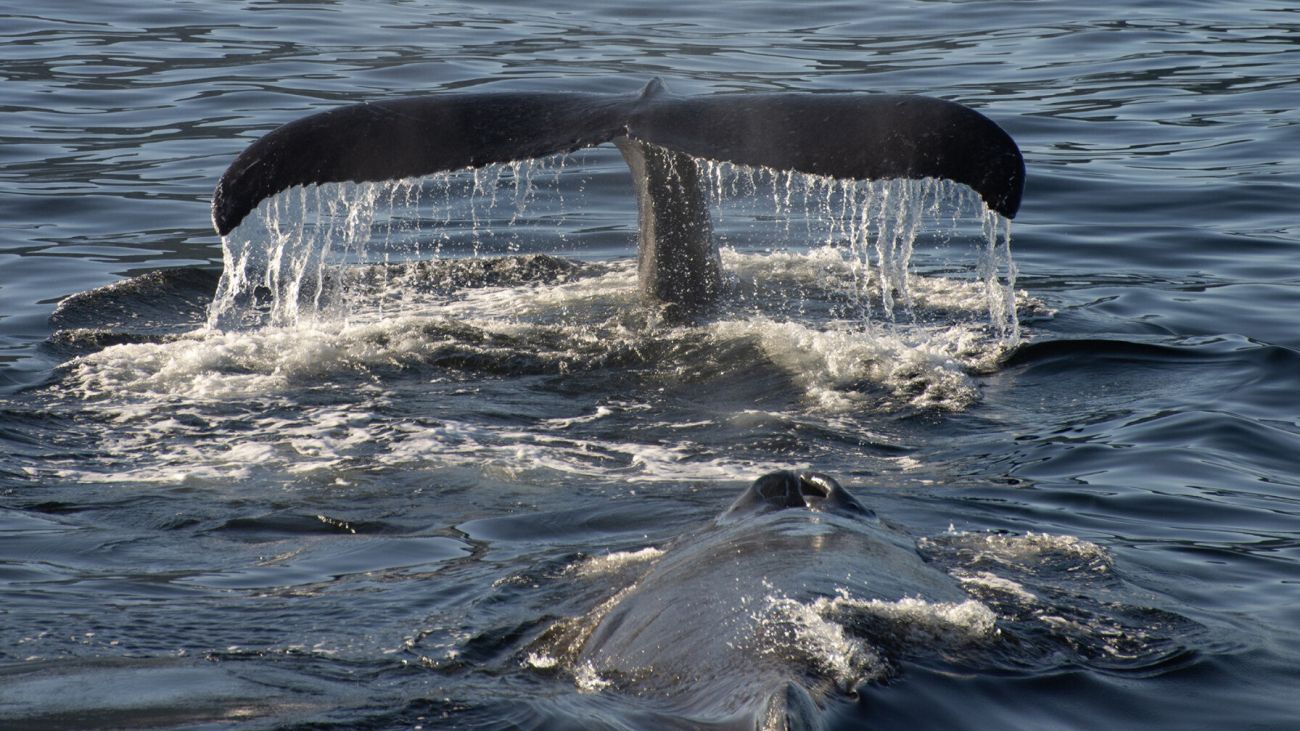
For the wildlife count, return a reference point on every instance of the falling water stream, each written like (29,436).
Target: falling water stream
(305,253)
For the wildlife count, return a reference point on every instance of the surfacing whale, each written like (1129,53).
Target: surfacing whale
(843,136)
(720,630)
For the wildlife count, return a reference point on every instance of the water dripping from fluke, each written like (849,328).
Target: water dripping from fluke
(360,251)
(339,193)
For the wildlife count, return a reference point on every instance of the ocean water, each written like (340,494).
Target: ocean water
(400,483)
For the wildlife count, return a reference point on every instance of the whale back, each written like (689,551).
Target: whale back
(704,629)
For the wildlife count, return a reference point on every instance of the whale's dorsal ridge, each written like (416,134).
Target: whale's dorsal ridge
(653,88)
(791,708)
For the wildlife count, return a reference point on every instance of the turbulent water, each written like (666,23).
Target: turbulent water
(384,456)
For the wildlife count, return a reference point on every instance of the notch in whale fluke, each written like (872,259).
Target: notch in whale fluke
(855,136)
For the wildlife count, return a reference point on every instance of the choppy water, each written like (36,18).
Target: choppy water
(388,496)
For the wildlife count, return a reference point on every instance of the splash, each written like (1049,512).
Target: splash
(1062,600)
(341,252)
(790,629)
(613,562)
(839,369)
(588,680)
(861,297)
(1031,552)
(315,252)
(985,581)
(844,637)
(875,227)
(917,620)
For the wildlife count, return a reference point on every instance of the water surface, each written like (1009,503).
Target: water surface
(368,511)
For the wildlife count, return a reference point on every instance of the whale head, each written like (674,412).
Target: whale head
(789,490)
(714,628)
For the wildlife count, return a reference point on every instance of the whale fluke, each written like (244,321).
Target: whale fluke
(848,136)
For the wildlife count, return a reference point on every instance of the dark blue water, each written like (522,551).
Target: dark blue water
(398,505)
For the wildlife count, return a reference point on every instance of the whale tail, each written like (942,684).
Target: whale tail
(845,136)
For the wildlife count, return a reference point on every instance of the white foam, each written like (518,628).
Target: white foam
(1023,551)
(564,423)
(514,453)
(948,622)
(161,394)
(588,680)
(837,366)
(791,629)
(985,581)
(613,562)
(924,365)
(921,367)
(828,272)
(540,661)
(815,632)
(147,388)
